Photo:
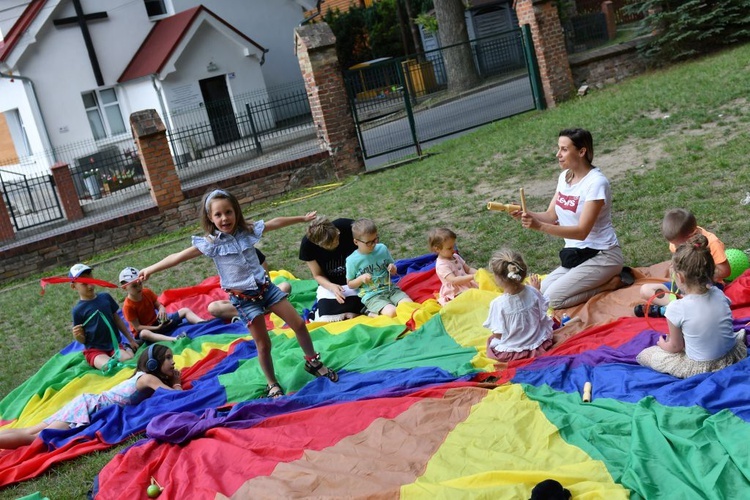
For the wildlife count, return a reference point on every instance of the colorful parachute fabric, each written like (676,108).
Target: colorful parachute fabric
(415,413)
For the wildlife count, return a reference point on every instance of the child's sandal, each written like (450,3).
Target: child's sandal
(274,391)
(314,366)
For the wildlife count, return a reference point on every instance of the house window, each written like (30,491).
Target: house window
(17,132)
(103,112)
(155,8)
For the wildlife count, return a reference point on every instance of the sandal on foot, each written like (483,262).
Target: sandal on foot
(274,391)
(627,277)
(314,366)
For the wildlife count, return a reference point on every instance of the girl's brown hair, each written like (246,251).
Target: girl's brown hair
(508,265)
(439,235)
(693,260)
(219,194)
(159,353)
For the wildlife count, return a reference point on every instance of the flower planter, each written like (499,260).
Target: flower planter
(112,186)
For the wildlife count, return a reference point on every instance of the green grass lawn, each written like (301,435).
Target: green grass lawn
(678,137)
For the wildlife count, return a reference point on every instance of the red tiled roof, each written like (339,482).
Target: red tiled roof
(163,39)
(20,26)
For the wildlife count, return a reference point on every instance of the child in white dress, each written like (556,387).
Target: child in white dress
(518,318)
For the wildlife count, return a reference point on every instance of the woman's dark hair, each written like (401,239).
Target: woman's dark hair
(580,138)
(159,353)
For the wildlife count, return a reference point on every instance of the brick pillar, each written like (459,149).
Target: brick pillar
(608,8)
(150,136)
(6,226)
(66,190)
(316,52)
(549,46)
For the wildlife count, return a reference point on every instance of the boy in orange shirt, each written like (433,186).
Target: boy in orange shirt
(148,318)
(677,227)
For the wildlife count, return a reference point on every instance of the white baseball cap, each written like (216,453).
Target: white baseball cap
(128,275)
(78,270)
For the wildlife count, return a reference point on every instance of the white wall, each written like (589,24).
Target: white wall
(182,94)
(9,11)
(59,65)
(207,45)
(17,95)
(270,23)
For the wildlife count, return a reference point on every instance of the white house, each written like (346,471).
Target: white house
(72,71)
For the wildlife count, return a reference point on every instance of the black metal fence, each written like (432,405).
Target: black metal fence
(623,15)
(107,179)
(585,32)
(400,103)
(210,136)
(31,201)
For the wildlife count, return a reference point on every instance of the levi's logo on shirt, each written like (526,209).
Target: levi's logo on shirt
(569,203)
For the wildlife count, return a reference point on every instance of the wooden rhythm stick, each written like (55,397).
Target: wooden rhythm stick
(587,392)
(523,200)
(502,207)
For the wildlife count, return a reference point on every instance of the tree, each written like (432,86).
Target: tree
(686,28)
(454,38)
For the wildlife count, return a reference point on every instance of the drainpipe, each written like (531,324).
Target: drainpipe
(314,15)
(165,119)
(37,109)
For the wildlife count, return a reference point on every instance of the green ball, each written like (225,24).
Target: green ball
(153,491)
(738,263)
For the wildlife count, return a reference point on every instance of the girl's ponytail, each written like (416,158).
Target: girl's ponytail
(694,260)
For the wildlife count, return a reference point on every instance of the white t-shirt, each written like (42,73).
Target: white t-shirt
(521,319)
(706,324)
(569,201)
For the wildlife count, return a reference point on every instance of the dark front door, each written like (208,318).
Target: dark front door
(219,108)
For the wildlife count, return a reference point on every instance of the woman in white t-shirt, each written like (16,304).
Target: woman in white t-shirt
(580,212)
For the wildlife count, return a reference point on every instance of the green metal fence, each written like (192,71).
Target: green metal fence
(399,104)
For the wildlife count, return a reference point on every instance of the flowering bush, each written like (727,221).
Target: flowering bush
(119,175)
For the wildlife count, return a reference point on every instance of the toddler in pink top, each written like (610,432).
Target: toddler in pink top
(455,275)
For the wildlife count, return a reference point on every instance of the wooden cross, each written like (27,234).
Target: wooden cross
(81,20)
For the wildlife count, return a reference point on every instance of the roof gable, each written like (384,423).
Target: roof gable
(18,29)
(168,38)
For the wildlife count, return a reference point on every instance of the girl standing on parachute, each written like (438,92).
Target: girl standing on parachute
(230,241)
(155,370)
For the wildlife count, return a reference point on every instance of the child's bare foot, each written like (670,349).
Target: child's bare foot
(625,278)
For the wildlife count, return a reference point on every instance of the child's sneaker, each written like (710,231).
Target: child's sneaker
(314,366)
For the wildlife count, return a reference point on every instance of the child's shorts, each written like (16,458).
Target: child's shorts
(378,302)
(250,309)
(91,354)
(174,322)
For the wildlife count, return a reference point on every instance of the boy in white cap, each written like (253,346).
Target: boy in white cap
(96,323)
(148,318)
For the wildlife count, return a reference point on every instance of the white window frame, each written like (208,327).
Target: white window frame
(17,131)
(166,5)
(100,108)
